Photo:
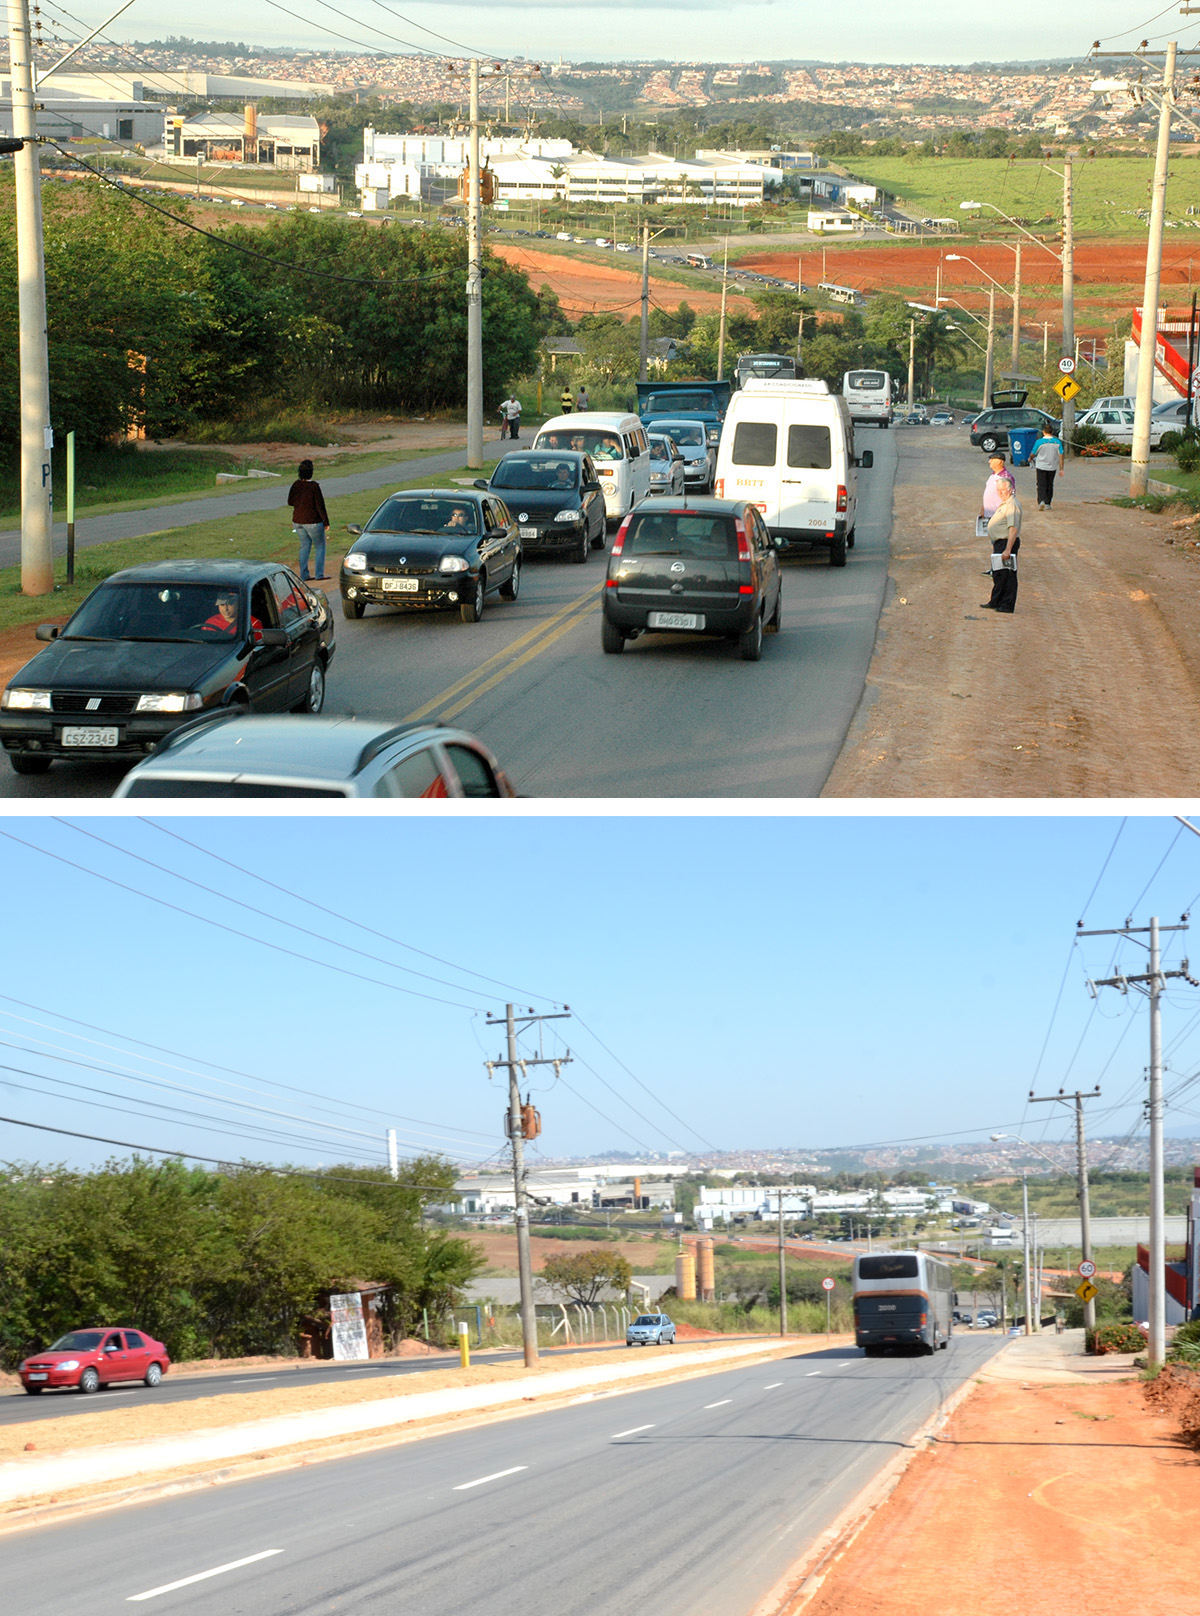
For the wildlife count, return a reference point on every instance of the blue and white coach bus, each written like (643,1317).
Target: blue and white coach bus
(902,1299)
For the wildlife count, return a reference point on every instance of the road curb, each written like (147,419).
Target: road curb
(805,1578)
(37,1514)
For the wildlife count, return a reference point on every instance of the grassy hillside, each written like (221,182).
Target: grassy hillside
(1108,191)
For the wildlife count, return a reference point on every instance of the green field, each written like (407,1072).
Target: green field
(1108,191)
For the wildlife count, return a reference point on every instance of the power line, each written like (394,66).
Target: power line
(706,1142)
(380,284)
(370,930)
(232,930)
(219,1161)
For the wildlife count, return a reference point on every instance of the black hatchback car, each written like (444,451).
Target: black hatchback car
(433,549)
(705,567)
(556,498)
(152,646)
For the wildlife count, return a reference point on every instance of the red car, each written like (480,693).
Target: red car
(89,1359)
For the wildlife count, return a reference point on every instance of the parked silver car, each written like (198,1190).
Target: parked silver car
(650,1330)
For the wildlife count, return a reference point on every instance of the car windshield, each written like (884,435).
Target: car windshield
(646,1318)
(682,533)
(159,611)
(152,785)
(661,403)
(428,513)
(78,1341)
(686,434)
(591,440)
(526,471)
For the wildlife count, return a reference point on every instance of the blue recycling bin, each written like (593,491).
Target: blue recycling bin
(1020,442)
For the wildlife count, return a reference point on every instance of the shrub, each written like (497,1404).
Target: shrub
(1089,437)
(1170,441)
(1187,456)
(1115,1338)
(1185,1345)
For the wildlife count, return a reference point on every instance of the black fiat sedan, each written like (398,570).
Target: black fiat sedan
(556,498)
(433,549)
(151,646)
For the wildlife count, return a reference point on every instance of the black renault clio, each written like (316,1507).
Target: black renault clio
(152,645)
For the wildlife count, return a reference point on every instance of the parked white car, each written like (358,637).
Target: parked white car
(1118,425)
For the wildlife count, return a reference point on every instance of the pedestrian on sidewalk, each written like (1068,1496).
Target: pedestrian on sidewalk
(310,520)
(991,489)
(1048,458)
(1004,530)
(566,402)
(582,402)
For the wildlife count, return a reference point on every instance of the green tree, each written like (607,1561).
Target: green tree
(582,1276)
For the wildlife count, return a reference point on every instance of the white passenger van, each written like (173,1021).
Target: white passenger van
(617,445)
(788,447)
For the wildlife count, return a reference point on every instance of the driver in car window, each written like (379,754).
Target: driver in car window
(457,521)
(565,476)
(224,619)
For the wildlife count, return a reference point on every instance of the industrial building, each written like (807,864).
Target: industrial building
(62,116)
(182,85)
(269,140)
(616,1186)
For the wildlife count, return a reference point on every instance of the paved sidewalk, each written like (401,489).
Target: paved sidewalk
(1057,1360)
(91,530)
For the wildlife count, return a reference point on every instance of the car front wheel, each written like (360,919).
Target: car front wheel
(352,609)
(24,764)
(472,610)
(89,1381)
(511,589)
(582,550)
(35,1391)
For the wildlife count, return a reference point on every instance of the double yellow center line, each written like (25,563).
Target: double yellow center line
(456,698)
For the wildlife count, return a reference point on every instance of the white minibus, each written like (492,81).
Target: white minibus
(869,395)
(618,447)
(788,447)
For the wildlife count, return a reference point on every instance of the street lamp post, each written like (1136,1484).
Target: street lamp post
(1085,1228)
(1014,296)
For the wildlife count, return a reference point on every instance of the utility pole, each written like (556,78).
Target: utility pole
(912,358)
(515,1128)
(782,1261)
(1139,464)
(37,533)
(721,334)
(393,1157)
(1025,1232)
(644,341)
(1081,1169)
(1068,297)
(1016,332)
(1152,984)
(474,287)
(990,355)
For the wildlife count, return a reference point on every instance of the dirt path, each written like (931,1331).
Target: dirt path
(1092,689)
(1031,1492)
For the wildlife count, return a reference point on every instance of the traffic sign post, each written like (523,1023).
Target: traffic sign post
(1086,1268)
(827,1286)
(1067,389)
(1067,365)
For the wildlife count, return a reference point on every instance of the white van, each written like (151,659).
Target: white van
(619,450)
(788,447)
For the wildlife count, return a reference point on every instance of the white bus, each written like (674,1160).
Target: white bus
(902,1299)
(869,396)
(839,294)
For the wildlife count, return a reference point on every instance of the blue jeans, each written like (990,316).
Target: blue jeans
(312,538)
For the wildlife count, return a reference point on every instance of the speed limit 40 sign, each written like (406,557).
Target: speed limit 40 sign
(827,1284)
(1067,365)
(1086,1268)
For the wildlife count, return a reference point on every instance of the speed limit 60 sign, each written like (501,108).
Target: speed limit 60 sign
(1066,365)
(827,1284)
(1086,1268)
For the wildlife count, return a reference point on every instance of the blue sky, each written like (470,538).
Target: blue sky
(775,981)
(870,30)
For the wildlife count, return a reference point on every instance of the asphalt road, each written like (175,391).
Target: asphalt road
(694,1497)
(18,1407)
(673,716)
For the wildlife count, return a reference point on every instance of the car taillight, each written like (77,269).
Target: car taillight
(619,541)
(719,488)
(841,499)
(743,540)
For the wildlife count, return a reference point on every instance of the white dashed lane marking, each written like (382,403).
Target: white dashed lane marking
(495,1476)
(201,1576)
(632,1431)
(721,1404)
